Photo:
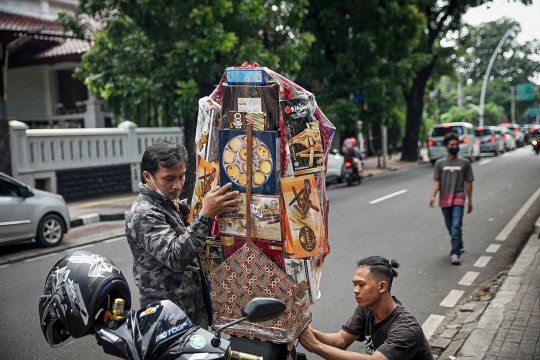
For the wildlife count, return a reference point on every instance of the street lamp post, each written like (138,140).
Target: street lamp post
(486,77)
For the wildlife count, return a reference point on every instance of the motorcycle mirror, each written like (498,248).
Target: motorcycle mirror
(256,310)
(263,309)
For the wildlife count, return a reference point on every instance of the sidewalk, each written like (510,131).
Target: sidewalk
(507,327)
(373,165)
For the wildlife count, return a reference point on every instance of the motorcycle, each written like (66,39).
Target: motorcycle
(350,173)
(535,142)
(86,294)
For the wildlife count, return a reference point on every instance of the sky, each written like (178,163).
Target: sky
(527,16)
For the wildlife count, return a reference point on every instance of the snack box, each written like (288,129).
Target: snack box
(252,98)
(272,249)
(303,136)
(265,218)
(303,272)
(208,123)
(303,224)
(246,76)
(239,119)
(207,177)
(233,160)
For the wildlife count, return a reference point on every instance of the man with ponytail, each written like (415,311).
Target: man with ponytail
(390,331)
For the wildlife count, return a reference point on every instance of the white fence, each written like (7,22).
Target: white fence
(39,153)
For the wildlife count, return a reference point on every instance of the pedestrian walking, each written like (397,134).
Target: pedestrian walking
(453,177)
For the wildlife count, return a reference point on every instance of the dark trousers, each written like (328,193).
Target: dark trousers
(453,218)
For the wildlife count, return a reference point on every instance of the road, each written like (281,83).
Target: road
(387,216)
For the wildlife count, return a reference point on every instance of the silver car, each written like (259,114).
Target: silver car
(27,213)
(334,166)
(508,138)
(490,140)
(469,147)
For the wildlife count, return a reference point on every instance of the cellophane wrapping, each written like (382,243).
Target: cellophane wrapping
(286,265)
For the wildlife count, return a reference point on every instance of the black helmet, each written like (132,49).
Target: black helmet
(77,287)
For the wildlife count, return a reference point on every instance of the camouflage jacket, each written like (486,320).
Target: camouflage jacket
(166,263)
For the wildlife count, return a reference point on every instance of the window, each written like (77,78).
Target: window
(441,131)
(483,132)
(9,189)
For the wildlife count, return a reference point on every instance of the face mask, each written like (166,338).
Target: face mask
(453,151)
(157,190)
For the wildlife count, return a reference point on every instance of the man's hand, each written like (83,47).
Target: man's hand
(469,207)
(217,201)
(308,340)
(432,201)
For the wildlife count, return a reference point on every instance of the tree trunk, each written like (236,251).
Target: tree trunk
(415,107)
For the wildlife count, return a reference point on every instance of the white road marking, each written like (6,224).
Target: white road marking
(431,324)
(482,261)
(79,248)
(493,248)
(113,240)
(4,266)
(388,196)
(503,235)
(452,298)
(468,278)
(40,257)
(483,162)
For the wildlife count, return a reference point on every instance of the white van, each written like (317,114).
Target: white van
(469,147)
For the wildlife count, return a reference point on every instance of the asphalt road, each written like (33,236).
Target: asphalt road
(401,227)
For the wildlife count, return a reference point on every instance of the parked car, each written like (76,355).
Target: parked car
(334,166)
(27,213)
(468,146)
(516,131)
(490,141)
(508,137)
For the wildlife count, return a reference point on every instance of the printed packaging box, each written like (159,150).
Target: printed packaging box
(303,136)
(208,123)
(233,160)
(272,249)
(246,98)
(239,119)
(265,219)
(207,177)
(304,228)
(303,272)
(247,76)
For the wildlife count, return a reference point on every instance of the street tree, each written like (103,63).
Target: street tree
(361,54)
(152,60)
(443,20)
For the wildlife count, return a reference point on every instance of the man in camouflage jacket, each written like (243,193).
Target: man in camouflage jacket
(166,263)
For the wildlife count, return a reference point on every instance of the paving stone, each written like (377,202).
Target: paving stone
(491,320)
(441,343)
(473,317)
(477,343)
(460,319)
(470,306)
(481,305)
(449,334)
(469,326)
(452,349)
(453,327)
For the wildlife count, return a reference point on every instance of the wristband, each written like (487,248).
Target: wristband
(205,219)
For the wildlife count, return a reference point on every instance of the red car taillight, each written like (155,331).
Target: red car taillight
(492,139)
(465,140)
(430,143)
(504,137)
(515,130)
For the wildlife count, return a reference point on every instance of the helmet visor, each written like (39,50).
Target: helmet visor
(55,333)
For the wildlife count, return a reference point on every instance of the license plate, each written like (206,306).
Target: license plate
(349,170)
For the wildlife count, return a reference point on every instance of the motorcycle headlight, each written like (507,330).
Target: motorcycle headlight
(534,142)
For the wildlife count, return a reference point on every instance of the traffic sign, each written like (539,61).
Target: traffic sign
(525,92)
(534,111)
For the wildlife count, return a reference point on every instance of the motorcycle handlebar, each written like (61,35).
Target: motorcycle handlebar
(237,355)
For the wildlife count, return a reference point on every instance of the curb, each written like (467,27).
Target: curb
(394,170)
(65,246)
(468,333)
(95,217)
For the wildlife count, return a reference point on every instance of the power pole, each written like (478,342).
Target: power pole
(513,108)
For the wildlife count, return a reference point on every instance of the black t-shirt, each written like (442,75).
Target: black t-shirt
(398,337)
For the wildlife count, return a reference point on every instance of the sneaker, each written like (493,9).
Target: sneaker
(455,259)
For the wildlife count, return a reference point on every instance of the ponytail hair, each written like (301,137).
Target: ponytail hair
(381,268)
